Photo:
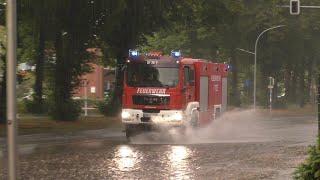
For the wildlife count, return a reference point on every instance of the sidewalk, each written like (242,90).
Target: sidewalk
(29,124)
(28,142)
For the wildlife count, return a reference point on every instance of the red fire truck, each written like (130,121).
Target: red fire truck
(172,91)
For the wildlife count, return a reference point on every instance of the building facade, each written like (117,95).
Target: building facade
(96,84)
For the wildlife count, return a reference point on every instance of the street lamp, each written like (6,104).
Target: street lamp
(255,62)
(246,51)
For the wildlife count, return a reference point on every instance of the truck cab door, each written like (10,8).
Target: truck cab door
(189,83)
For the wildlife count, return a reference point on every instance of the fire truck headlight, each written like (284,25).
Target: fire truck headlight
(125,115)
(177,116)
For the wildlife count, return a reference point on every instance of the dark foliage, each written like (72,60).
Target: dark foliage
(310,169)
(3,90)
(110,106)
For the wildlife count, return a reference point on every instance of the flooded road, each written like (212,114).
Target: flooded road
(266,149)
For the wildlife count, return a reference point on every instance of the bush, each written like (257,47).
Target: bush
(280,103)
(30,106)
(109,109)
(21,107)
(90,102)
(311,168)
(110,106)
(67,111)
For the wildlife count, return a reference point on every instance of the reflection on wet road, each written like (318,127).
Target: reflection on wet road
(162,162)
(269,150)
(125,158)
(179,162)
(125,161)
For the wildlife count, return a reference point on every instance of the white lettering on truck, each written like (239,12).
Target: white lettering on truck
(151,91)
(215,78)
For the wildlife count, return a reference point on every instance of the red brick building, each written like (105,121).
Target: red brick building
(92,84)
(109,78)
(100,81)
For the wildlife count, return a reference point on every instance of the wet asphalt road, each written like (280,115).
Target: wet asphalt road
(245,147)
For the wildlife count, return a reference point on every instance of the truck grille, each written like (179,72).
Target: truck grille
(150,100)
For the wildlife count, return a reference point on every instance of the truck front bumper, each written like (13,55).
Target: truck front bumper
(164,117)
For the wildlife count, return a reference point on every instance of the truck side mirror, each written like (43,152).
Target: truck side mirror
(184,89)
(124,67)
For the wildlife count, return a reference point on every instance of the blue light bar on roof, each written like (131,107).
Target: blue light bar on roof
(133,53)
(176,54)
(229,67)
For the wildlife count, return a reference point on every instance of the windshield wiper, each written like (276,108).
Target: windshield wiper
(166,86)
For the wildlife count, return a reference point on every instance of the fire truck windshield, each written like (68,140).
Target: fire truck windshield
(143,75)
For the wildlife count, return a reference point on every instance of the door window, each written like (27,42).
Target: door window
(188,76)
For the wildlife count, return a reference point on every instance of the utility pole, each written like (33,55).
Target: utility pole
(11,21)
(319,108)
(86,98)
(255,53)
(270,87)
(255,63)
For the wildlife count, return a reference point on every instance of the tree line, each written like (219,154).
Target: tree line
(55,35)
(216,30)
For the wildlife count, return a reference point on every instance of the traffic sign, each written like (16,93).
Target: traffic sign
(271,82)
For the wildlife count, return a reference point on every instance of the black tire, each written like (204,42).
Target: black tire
(129,131)
(133,130)
(182,130)
(218,114)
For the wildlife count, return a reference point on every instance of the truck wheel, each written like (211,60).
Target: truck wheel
(217,113)
(195,120)
(129,132)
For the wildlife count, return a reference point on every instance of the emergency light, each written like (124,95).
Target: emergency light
(229,67)
(176,54)
(133,53)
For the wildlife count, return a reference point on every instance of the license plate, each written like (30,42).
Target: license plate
(145,119)
(146,115)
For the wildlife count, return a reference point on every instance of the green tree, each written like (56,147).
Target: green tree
(3,86)
(121,24)
(37,30)
(65,29)
(215,29)
(34,14)
(71,36)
